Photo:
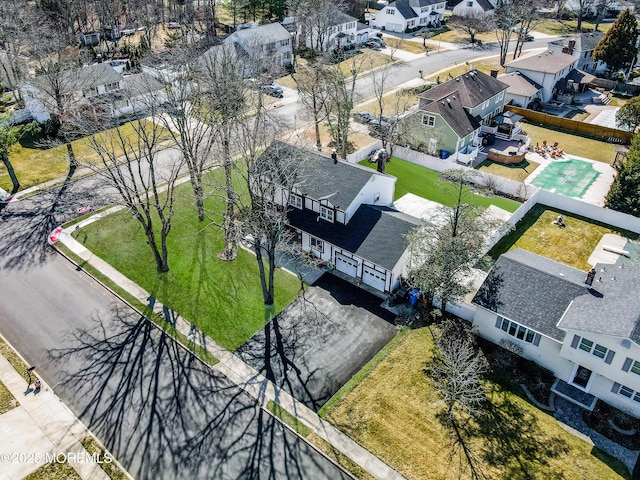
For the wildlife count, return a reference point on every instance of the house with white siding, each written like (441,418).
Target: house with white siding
(344,215)
(581,46)
(271,43)
(474,7)
(585,328)
(403,15)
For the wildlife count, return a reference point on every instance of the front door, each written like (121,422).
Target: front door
(582,376)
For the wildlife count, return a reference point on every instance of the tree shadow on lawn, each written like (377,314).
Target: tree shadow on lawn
(512,438)
(165,414)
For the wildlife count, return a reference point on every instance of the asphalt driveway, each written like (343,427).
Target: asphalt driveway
(321,340)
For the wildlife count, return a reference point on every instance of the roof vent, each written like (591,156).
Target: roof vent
(448,100)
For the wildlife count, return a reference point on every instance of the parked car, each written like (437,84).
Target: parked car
(273,90)
(379,128)
(389,118)
(364,117)
(379,41)
(526,38)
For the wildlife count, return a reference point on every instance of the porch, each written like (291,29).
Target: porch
(574,395)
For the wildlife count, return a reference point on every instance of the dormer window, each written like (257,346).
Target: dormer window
(391,11)
(326,214)
(295,201)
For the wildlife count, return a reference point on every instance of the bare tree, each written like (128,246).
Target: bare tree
(505,19)
(312,81)
(583,8)
(130,163)
(472,22)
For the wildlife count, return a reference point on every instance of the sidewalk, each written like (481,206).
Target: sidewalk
(40,430)
(247,378)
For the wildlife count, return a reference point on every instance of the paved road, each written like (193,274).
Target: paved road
(160,411)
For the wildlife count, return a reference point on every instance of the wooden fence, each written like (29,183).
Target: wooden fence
(612,135)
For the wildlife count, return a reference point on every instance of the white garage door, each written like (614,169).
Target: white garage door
(394,27)
(374,278)
(346,265)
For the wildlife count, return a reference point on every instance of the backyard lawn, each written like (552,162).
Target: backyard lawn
(572,144)
(572,245)
(223,299)
(566,27)
(396,414)
(36,162)
(515,172)
(425,183)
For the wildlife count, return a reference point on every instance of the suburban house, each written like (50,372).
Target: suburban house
(91,87)
(403,15)
(545,69)
(581,47)
(474,7)
(583,327)
(451,116)
(272,43)
(340,31)
(522,91)
(344,214)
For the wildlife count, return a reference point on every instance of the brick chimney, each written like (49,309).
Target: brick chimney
(494,72)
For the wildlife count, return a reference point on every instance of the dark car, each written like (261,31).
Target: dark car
(364,117)
(273,90)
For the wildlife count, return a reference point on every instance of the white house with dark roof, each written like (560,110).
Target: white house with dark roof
(270,42)
(587,335)
(581,47)
(545,69)
(470,7)
(345,216)
(339,31)
(522,90)
(403,15)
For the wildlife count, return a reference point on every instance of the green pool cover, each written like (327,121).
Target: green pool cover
(571,178)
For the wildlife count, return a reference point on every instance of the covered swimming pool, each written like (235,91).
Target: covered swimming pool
(571,178)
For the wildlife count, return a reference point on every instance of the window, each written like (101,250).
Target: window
(595,349)
(635,368)
(326,214)
(295,201)
(316,244)
(518,331)
(470,3)
(390,11)
(627,392)
(428,120)
(112,86)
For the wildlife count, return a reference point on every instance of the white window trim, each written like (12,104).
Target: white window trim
(593,348)
(431,120)
(327,213)
(528,335)
(319,244)
(296,201)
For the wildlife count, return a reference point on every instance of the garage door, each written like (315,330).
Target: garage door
(394,27)
(346,265)
(374,278)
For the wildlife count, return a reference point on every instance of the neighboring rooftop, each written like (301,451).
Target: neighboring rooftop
(531,290)
(585,42)
(79,78)
(373,233)
(472,87)
(547,62)
(264,34)
(519,84)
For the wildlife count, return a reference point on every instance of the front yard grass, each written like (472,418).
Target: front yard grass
(425,183)
(7,401)
(54,471)
(572,144)
(223,299)
(406,45)
(396,414)
(515,172)
(485,66)
(113,471)
(572,245)
(454,35)
(566,27)
(36,163)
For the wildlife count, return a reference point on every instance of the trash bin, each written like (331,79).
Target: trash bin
(413,296)
(444,154)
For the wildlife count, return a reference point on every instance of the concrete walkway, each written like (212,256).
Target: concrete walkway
(40,430)
(247,378)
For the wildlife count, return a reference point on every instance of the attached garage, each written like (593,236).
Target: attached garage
(394,27)
(374,278)
(346,265)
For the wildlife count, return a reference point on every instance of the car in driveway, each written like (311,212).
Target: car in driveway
(273,90)
(364,117)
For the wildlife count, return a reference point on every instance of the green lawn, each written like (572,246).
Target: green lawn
(223,299)
(7,401)
(566,27)
(54,471)
(35,162)
(515,172)
(572,144)
(397,415)
(112,470)
(425,183)
(572,245)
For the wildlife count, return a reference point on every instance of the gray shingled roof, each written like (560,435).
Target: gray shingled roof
(377,234)
(519,84)
(531,290)
(80,78)
(613,308)
(319,177)
(264,34)
(473,88)
(485,5)
(404,9)
(585,42)
(141,83)
(547,62)
(452,111)
(340,18)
